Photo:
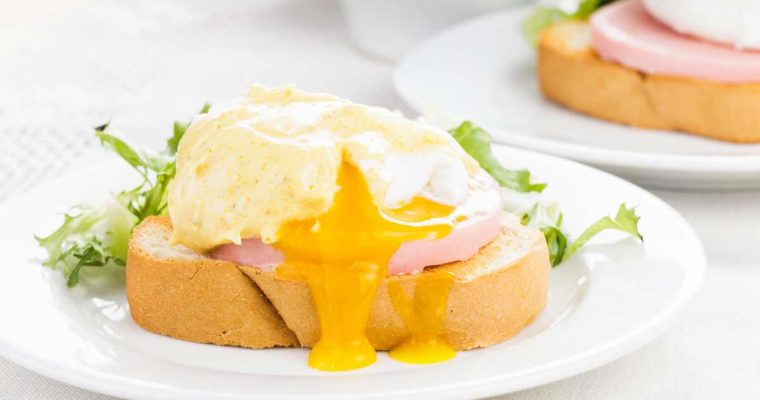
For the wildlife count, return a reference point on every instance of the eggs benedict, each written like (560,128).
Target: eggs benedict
(690,66)
(363,231)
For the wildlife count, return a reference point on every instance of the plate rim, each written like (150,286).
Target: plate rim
(113,384)
(601,157)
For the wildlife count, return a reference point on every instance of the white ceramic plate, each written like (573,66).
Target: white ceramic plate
(610,299)
(484,71)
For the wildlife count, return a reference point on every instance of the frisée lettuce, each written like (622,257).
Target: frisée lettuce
(545,216)
(95,236)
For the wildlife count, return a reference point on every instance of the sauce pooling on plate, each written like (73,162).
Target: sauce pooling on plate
(343,256)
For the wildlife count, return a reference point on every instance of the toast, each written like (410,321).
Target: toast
(572,74)
(176,292)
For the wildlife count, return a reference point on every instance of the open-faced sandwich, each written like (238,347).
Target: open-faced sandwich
(685,65)
(338,212)
(295,219)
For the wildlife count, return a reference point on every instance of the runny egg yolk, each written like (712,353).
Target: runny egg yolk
(423,315)
(343,256)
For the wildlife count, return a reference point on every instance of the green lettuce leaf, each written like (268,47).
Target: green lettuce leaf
(588,7)
(543,17)
(540,19)
(477,143)
(90,236)
(625,220)
(95,236)
(548,219)
(544,216)
(140,159)
(157,169)
(172,144)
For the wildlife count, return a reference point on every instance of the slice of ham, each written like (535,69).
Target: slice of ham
(464,241)
(624,32)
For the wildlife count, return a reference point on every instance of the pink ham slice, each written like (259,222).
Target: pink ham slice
(464,241)
(624,32)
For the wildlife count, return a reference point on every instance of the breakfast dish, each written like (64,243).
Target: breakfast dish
(492,70)
(296,219)
(335,210)
(659,65)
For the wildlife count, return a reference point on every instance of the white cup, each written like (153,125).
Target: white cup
(389,28)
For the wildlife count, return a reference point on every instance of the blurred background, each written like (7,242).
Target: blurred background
(69,65)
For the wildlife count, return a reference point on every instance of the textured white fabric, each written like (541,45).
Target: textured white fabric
(68,65)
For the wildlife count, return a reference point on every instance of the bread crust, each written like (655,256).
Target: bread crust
(494,296)
(572,74)
(200,300)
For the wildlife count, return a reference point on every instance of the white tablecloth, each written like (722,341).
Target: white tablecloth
(68,65)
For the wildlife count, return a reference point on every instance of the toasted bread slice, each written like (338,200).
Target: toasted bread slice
(572,74)
(175,292)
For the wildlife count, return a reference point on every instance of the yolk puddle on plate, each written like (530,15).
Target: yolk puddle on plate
(423,315)
(343,256)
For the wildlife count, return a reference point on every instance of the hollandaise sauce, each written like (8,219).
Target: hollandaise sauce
(343,256)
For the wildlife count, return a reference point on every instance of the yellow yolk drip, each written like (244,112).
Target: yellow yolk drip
(423,315)
(419,209)
(343,256)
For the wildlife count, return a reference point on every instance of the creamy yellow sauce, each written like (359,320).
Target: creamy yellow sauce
(343,256)
(255,164)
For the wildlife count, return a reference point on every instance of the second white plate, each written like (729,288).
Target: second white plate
(483,70)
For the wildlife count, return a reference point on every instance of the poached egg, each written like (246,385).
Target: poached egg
(732,22)
(253,164)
